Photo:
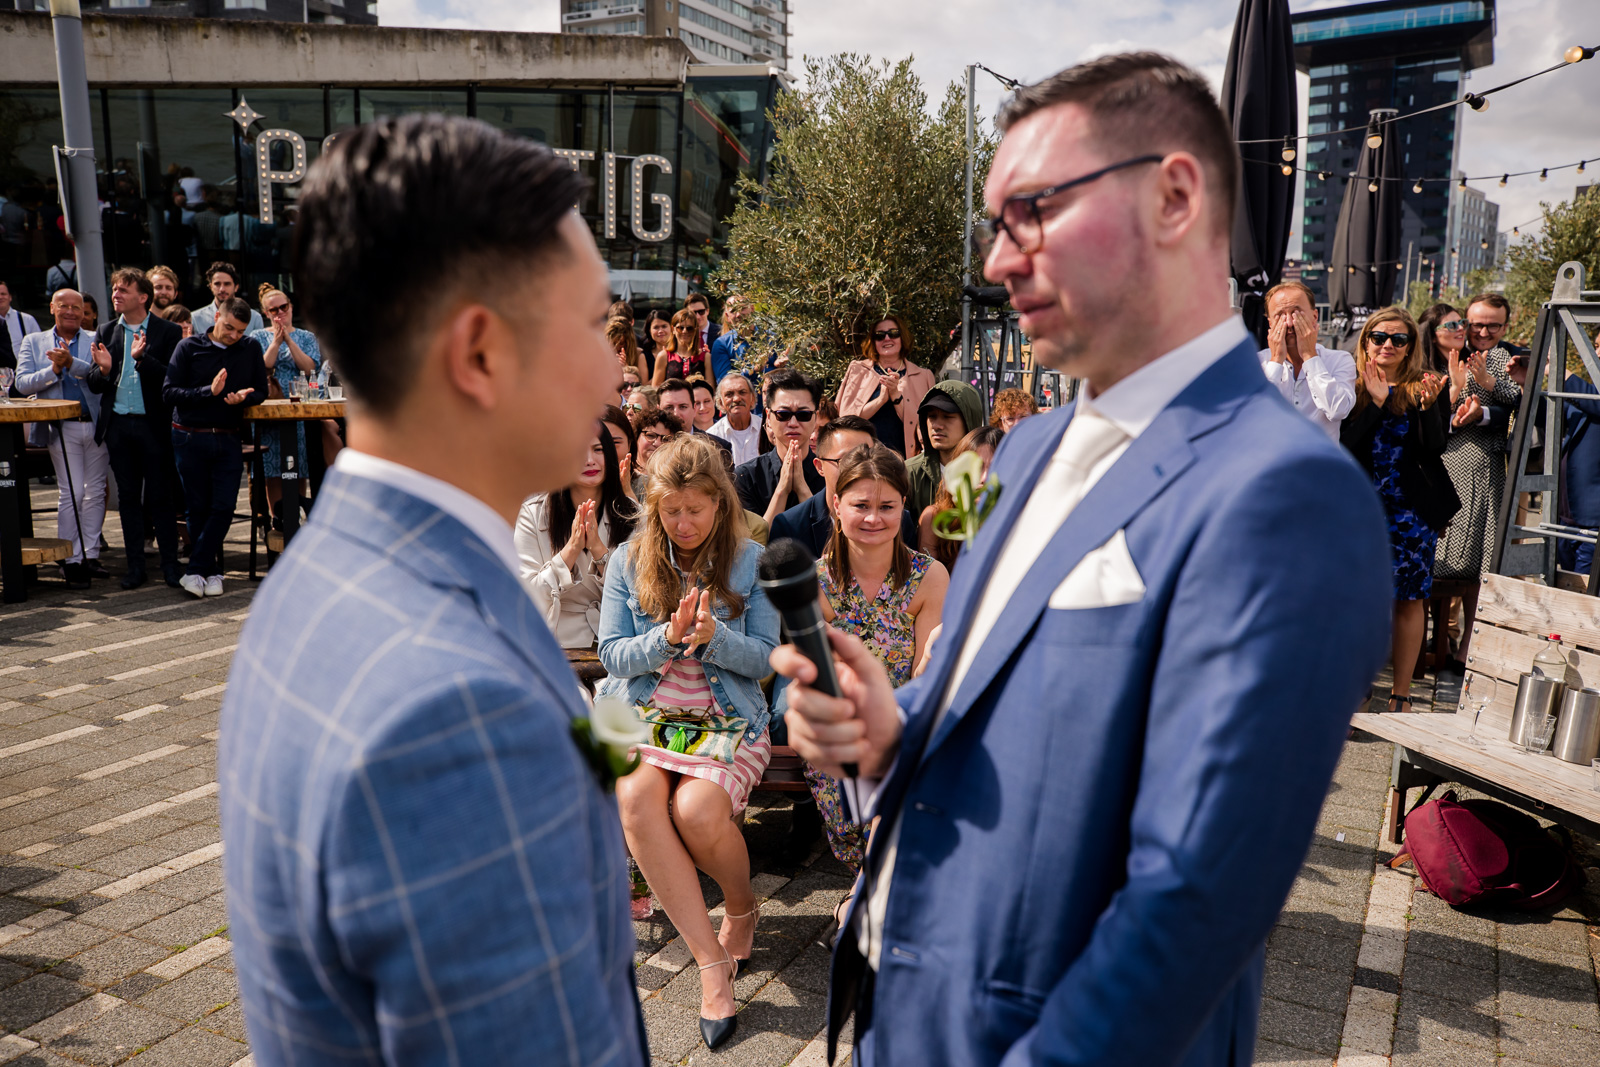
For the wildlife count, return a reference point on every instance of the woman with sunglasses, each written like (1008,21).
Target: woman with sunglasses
(288,352)
(1475,455)
(885,387)
(685,356)
(1397,431)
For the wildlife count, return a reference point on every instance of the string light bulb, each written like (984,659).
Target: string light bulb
(1484,243)
(1582,163)
(1417,188)
(1544,175)
(1288,150)
(1476,102)
(1516,231)
(1503,179)
(1372,186)
(1374,138)
(1578,53)
(1287,170)
(1322,175)
(1462,184)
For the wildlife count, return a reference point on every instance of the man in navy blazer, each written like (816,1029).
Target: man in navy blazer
(1095,800)
(423,865)
(135,424)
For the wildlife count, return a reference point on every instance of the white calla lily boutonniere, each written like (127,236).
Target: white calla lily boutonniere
(607,739)
(974,497)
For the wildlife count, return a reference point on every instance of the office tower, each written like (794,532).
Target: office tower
(353,12)
(716,31)
(1407,55)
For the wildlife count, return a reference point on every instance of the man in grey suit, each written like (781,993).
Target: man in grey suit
(422,867)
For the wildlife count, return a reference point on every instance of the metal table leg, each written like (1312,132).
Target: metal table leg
(13,493)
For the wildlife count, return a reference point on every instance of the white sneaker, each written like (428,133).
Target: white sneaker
(214,585)
(193,584)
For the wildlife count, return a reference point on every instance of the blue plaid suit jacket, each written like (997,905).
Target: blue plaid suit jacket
(421,868)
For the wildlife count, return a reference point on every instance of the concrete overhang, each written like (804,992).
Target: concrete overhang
(151,51)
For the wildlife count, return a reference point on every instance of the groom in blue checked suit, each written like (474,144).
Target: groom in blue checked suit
(1094,801)
(421,866)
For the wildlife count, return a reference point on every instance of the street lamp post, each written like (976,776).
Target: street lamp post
(75,162)
(966,232)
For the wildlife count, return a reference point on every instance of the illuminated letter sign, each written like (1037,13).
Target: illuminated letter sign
(265,175)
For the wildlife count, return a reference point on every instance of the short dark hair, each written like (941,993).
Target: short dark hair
(615,416)
(844,424)
(675,385)
(139,280)
(222,267)
(1145,102)
(787,378)
(662,417)
(374,252)
(697,298)
(701,383)
(1494,300)
(235,307)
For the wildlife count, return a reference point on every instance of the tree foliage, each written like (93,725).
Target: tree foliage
(861,215)
(1420,297)
(1571,232)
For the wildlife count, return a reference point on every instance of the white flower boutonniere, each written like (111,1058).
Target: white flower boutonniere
(974,498)
(607,739)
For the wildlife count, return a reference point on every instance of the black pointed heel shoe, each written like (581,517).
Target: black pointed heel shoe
(717,1031)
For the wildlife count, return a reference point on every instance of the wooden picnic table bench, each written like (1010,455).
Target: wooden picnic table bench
(1514,616)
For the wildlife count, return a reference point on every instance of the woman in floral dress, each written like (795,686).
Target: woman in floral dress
(875,587)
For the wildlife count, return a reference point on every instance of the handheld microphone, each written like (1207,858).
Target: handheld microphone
(788,575)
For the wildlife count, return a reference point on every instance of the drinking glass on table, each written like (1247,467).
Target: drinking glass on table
(297,388)
(1594,767)
(7,377)
(1536,736)
(1477,693)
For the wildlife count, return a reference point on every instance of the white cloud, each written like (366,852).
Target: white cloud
(1551,120)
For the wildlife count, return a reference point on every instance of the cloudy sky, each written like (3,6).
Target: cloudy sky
(1550,121)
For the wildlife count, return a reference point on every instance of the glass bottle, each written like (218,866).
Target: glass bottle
(1551,661)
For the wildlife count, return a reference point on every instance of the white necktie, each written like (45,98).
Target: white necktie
(1088,448)
(1090,445)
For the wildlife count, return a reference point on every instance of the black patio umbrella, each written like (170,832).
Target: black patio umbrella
(1364,263)
(1258,94)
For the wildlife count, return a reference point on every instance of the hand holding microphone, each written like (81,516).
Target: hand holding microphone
(842,718)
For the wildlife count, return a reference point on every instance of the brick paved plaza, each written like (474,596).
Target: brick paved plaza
(114,942)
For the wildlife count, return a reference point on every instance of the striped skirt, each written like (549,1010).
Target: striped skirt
(738,778)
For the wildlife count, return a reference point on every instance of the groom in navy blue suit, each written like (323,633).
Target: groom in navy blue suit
(421,866)
(1095,800)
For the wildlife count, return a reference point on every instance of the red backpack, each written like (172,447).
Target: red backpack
(1480,850)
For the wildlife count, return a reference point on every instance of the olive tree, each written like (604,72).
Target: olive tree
(860,216)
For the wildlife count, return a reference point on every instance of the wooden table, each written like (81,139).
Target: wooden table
(286,414)
(14,502)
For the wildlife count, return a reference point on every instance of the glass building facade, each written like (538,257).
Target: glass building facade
(181,182)
(1406,56)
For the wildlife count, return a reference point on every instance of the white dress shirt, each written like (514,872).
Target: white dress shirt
(746,443)
(1100,432)
(1325,389)
(459,504)
(20,325)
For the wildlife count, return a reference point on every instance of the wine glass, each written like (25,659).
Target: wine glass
(1477,693)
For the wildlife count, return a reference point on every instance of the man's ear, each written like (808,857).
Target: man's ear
(478,349)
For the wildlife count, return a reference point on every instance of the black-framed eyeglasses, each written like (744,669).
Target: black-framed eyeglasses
(1019,216)
(1486,327)
(886,335)
(1379,338)
(827,459)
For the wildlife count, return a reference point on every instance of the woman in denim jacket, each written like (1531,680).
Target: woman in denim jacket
(683,624)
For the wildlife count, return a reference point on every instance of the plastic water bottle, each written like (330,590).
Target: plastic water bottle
(1551,661)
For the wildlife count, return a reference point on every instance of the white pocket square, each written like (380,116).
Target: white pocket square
(1104,578)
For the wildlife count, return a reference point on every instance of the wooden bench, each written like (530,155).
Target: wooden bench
(1513,617)
(38,550)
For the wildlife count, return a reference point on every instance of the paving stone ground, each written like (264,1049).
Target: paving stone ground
(114,943)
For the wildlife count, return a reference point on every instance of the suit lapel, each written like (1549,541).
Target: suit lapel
(1152,462)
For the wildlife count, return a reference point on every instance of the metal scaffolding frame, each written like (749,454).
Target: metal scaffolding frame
(992,358)
(1529,550)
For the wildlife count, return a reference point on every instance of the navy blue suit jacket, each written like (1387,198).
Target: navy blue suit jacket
(810,523)
(1580,450)
(1097,840)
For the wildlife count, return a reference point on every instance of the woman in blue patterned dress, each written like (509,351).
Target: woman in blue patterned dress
(1397,431)
(875,587)
(289,352)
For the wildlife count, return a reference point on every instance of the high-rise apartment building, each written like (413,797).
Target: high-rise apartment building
(1475,233)
(1408,55)
(716,31)
(353,12)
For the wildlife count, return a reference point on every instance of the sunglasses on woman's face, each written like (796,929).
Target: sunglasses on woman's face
(1453,325)
(1379,339)
(684,329)
(886,335)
